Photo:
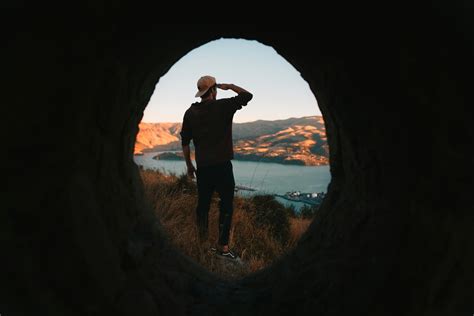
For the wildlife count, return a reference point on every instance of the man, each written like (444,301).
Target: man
(209,124)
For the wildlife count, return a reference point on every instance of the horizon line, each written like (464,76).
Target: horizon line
(293,117)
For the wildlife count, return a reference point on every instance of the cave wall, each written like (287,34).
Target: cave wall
(394,235)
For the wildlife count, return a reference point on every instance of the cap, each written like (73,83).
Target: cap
(203,84)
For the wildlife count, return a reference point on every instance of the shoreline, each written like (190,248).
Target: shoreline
(177,156)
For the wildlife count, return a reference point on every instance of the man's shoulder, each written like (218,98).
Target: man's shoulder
(224,99)
(187,115)
(219,102)
(190,110)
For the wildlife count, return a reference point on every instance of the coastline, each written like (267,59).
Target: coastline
(178,155)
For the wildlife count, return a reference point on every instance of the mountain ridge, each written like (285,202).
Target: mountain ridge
(296,140)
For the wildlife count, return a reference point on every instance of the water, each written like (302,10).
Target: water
(266,177)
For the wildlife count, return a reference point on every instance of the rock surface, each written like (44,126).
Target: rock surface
(394,235)
(155,134)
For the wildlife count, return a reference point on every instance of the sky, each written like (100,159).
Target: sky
(279,91)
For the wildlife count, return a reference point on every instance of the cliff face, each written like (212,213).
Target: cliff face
(394,235)
(251,130)
(151,135)
(296,144)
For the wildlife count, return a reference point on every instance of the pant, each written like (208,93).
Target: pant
(219,178)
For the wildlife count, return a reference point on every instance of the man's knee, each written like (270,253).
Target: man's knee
(203,205)
(227,205)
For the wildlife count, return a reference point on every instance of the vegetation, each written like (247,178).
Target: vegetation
(308,212)
(271,215)
(263,229)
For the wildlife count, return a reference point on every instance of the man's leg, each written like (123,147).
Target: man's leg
(225,187)
(205,190)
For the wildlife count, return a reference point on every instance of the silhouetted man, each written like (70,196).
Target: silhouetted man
(209,124)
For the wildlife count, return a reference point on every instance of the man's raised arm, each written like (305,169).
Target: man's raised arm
(231,86)
(238,101)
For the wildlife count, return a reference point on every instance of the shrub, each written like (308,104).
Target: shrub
(308,212)
(272,214)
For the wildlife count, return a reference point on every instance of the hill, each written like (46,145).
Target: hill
(291,141)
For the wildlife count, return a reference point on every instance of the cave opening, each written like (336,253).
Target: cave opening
(77,234)
(280,163)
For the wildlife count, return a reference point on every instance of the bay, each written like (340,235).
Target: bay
(265,177)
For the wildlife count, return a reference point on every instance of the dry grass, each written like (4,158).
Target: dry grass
(297,227)
(174,200)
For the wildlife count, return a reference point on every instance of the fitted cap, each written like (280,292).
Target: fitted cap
(203,84)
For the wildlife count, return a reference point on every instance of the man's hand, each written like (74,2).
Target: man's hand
(189,164)
(191,171)
(231,86)
(223,86)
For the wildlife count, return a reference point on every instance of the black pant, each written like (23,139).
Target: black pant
(218,178)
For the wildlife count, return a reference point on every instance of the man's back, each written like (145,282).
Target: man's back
(209,125)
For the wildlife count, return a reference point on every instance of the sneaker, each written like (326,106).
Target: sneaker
(226,255)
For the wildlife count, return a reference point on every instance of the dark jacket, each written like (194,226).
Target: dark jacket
(209,125)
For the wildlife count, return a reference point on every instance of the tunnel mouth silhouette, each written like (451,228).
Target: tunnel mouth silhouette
(266,224)
(334,245)
(79,237)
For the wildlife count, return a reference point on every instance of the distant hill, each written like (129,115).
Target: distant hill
(290,141)
(263,127)
(152,135)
